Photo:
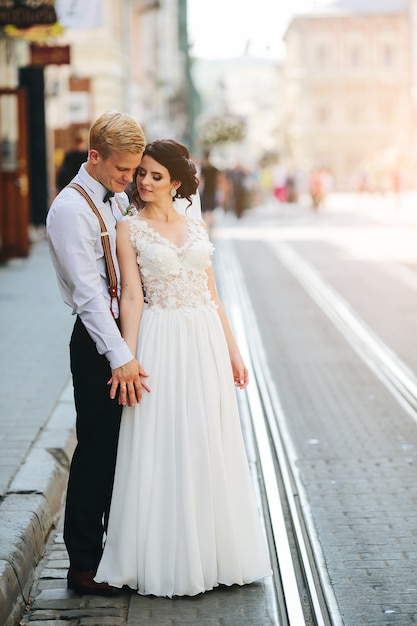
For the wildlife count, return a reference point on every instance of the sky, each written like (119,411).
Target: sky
(221,29)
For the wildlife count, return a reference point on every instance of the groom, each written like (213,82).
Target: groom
(98,352)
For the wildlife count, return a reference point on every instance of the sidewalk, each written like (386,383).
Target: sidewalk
(36,443)
(36,419)
(52,604)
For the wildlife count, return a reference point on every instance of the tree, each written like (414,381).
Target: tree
(219,129)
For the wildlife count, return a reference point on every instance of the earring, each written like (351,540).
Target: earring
(173,192)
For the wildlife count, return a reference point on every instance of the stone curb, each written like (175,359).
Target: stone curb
(30,507)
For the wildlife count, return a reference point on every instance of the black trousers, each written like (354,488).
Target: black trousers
(92,468)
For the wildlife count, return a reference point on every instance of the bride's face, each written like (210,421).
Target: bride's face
(153,181)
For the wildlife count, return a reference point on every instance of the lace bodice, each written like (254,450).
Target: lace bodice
(173,277)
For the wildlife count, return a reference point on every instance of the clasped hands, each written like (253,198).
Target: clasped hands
(128,378)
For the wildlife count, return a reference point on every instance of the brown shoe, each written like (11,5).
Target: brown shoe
(84,584)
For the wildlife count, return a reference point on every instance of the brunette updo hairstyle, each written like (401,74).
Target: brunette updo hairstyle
(176,158)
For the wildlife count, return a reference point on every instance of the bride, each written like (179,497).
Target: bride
(183,517)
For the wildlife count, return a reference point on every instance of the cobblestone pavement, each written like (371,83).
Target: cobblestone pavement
(36,443)
(353,437)
(36,435)
(34,355)
(55,605)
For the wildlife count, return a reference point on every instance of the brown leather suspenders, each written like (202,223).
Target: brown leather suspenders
(110,270)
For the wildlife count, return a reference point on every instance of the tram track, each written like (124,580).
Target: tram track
(385,364)
(303,592)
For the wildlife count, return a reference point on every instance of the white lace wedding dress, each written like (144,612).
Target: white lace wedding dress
(183,516)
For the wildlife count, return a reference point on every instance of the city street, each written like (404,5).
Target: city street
(294,104)
(334,298)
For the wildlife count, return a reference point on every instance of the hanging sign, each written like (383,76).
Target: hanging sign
(49,55)
(25,16)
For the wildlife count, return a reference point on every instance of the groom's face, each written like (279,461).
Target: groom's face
(116,171)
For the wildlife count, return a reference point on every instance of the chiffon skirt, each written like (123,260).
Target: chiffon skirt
(183,516)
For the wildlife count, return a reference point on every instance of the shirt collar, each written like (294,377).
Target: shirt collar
(91,184)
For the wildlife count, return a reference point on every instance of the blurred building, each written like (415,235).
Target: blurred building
(73,60)
(23,171)
(248,87)
(132,56)
(347,90)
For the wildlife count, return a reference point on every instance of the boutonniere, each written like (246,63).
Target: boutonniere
(130,210)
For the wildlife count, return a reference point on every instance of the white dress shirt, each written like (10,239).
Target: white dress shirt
(77,253)
(76,249)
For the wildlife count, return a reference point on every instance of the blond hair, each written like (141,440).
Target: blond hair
(116,132)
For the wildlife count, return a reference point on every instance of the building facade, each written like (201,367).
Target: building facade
(347,91)
(131,58)
(248,87)
(73,60)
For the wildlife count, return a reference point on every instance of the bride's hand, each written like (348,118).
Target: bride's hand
(240,372)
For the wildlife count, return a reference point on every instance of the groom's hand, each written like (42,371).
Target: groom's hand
(128,378)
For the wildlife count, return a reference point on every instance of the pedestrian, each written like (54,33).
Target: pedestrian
(209,182)
(239,191)
(183,516)
(279,174)
(321,184)
(72,161)
(316,188)
(98,353)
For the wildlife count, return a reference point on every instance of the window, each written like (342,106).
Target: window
(322,55)
(355,56)
(388,55)
(355,114)
(388,105)
(323,114)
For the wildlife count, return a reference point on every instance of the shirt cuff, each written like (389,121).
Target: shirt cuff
(120,356)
